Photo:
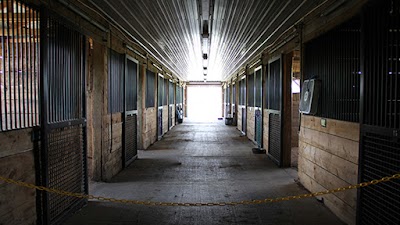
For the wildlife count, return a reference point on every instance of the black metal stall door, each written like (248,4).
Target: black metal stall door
(170,116)
(380,113)
(160,122)
(258,127)
(130,115)
(244,119)
(62,153)
(274,105)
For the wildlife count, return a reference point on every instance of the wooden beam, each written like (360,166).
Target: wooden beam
(287,109)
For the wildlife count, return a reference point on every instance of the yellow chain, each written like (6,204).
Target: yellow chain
(150,203)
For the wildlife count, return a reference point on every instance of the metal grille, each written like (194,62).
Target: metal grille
(160,122)
(234,95)
(66,170)
(258,87)
(250,90)
(380,203)
(179,95)
(66,73)
(258,127)
(380,134)
(274,145)
(171,93)
(131,85)
(116,72)
(242,89)
(382,67)
(130,138)
(160,91)
(19,66)
(274,86)
(150,80)
(334,58)
(165,93)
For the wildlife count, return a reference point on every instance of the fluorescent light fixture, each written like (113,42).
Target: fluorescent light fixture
(159,68)
(241,73)
(205,45)
(205,63)
(161,75)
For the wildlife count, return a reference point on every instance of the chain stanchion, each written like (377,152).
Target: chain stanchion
(244,202)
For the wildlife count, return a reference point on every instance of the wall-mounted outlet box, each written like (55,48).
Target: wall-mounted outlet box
(323,122)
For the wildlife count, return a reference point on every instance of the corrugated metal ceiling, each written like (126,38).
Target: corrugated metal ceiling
(239,30)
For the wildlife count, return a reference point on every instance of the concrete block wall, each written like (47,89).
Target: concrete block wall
(328,158)
(165,119)
(112,151)
(149,134)
(17,204)
(250,123)
(239,118)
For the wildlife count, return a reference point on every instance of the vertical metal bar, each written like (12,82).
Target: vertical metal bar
(3,98)
(32,75)
(44,72)
(52,93)
(12,81)
(17,39)
(26,68)
(381,77)
(62,70)
(36,65)
(397,78)
(385,73)
(22,73)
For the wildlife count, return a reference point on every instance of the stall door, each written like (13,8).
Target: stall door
(62,152)
(380,114)
(274,105)
(258,106)
(130,115)
(160,90)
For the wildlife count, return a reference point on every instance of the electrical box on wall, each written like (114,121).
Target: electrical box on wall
(309,96)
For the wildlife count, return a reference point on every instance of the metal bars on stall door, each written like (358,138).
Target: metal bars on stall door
(19,69)
(334,58)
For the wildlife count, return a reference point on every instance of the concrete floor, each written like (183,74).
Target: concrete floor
(203,162)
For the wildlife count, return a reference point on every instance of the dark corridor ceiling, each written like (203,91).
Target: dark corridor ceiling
(172,30)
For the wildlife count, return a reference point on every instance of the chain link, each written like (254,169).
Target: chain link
(150,203)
